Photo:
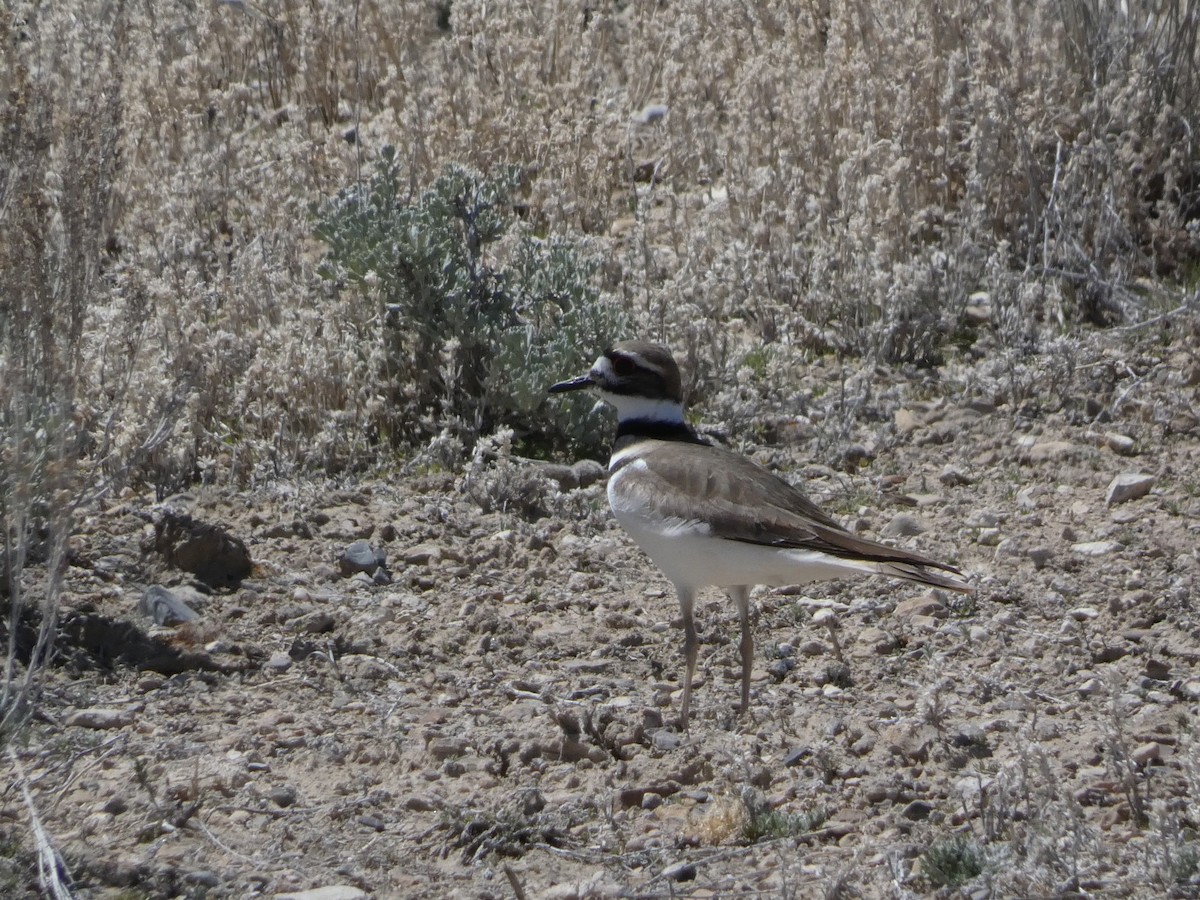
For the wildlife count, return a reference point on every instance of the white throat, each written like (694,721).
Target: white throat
(630,408)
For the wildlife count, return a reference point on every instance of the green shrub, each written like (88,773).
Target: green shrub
(763,822)
(480,317)
(952,862)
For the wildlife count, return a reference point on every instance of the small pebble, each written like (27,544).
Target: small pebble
(329,892)
(917,811)
(100,718)
(373,822)
(1121,444)
(796,756)
(664,740)
(283,796)
(1095,548)
(681,871)
(903,525)
(1147,753)
(651,801)
(203,878)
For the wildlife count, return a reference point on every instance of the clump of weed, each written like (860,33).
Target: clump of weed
(480,316)
(839,675)
(952,861)
(1185,865)
(511,830)
(763,822)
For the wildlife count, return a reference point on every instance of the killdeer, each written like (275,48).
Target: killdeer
(709,517)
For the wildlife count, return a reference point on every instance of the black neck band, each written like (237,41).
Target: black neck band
(658,430)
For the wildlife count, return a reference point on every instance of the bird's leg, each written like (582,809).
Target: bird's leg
(687,600)
(741,597)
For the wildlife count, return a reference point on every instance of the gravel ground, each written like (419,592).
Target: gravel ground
(491,714)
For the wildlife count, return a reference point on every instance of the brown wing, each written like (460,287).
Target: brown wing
(744,502)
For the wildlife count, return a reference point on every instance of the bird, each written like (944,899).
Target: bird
(710,517)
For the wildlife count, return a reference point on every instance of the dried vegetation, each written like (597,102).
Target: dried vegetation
(761,185)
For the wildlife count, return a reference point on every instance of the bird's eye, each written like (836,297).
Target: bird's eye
(623,365)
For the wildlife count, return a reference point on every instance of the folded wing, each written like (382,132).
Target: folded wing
(741,501)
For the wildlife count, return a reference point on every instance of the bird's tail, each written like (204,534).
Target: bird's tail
(944,577)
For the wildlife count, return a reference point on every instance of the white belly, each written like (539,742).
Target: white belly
(688,554)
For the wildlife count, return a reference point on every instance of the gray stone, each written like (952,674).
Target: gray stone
(952,477)
(1095,548)
(680,871)
(1120,444)
(903,525)
(100,718)
(203,878)
(283,796)
(423,555)
(360,556)
(165,608)
(329,892)
(1128,486)
(917,811)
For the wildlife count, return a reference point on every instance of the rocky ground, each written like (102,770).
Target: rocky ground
(491,714)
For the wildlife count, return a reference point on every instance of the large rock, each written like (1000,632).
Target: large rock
(1128,486)
(207,551)
(360,556)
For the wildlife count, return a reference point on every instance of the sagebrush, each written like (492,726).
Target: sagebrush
(788,188)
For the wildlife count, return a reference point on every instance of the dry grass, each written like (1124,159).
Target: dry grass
(840,179)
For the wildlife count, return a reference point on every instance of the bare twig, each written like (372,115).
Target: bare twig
(52,872)
(514,882)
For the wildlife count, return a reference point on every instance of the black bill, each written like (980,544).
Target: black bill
(575,384)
